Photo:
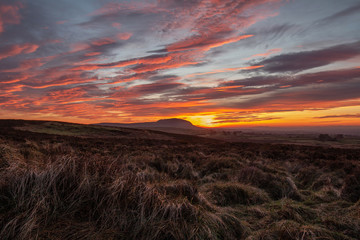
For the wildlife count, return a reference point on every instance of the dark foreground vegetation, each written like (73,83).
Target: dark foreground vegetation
(67,181)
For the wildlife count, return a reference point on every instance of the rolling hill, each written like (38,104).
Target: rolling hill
(172,125)
(163,123)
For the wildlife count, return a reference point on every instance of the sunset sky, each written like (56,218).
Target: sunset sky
(213,62)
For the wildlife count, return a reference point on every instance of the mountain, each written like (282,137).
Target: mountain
(174,123)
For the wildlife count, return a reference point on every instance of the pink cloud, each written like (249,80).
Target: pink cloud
(92,54)
(124,36)
(116,25)
(17,49)
(203,43)
(267,53)
(80,46)
(61,22)
(9,14)
(103,41)
(113,8)
(26,65)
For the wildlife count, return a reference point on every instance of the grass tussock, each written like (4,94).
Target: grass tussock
(224,194)
(108,204)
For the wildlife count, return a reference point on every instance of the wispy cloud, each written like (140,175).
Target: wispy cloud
(265,54)
(340,14)
(303,60)
(16,49)
(341,116)
(9,14)
(134,60)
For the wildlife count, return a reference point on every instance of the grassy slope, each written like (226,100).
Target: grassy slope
(69,181)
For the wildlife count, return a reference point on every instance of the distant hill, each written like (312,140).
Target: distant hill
(163,123)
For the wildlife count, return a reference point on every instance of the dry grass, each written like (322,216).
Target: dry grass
(115,187)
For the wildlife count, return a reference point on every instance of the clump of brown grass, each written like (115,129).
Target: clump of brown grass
(117,205)
(277,185)
(351,188)
(291,230)
(224,194)
(287,209)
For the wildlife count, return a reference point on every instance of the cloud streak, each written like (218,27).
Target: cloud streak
(13,50)
(341,116)
(300,61)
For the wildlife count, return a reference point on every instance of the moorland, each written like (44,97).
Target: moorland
(71,181)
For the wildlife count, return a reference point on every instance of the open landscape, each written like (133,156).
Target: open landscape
(179,120)
(71,181)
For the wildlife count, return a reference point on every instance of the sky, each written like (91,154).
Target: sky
(213,62)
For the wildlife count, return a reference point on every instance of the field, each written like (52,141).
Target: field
(70,181)
(304,139)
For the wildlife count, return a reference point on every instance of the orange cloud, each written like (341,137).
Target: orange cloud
(124,36)
(92,54)
(267,53)
(203,43)
(227,41)
(63,82)
(65,96)
(26,65)
(157,59)
(102,41)
(285,86)
(17,49)
(198,27)
(14,88)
